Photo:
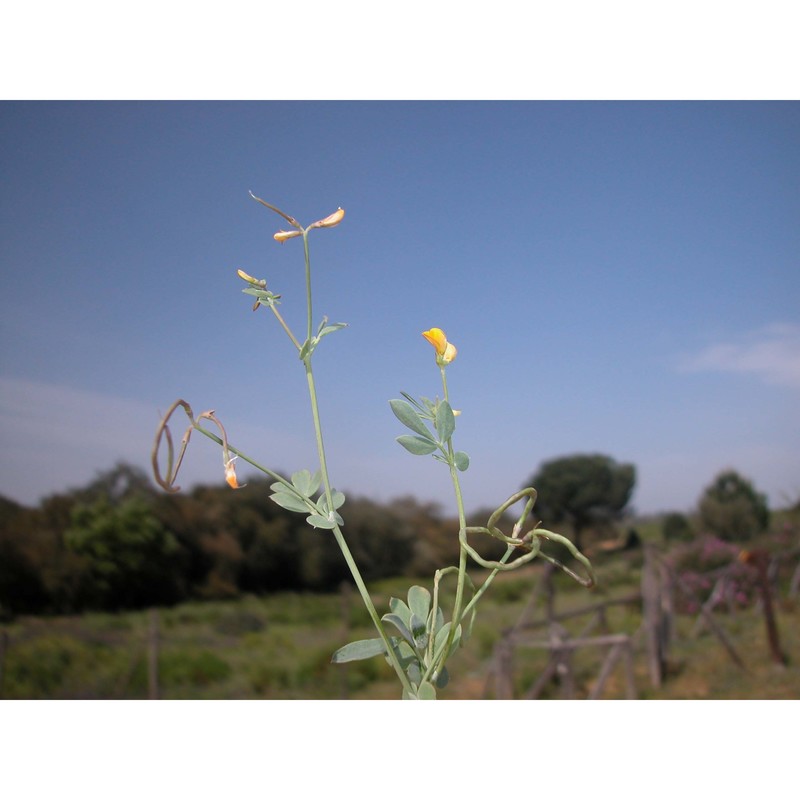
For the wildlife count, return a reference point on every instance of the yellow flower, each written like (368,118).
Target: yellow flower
(330,221)
(282,236)
(445,351)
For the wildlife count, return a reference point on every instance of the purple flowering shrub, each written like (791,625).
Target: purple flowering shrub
(708,565)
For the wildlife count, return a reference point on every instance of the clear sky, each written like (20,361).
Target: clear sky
(621,278)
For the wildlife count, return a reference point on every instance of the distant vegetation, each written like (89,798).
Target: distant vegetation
(253,602)
(119,543)
(583,490)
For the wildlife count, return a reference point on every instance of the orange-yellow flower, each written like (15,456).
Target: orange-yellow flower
(282,236)
(331,220)
(445,351)
(230,474)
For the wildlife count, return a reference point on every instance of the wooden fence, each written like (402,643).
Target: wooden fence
(661,585)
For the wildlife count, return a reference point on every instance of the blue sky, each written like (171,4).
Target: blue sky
(621,278)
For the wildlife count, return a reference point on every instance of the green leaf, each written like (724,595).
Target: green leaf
(316,521)
(358,651)
(336,497)
(398,607)
(426,691)
(409,417)
(416,445)
(441,638)
(430,406)
(302,481)
(407,654)
(438,622)
(416,404)
(419,602)
(290,502)
(414,673)
(445,421)
(419,632)
(337,326)
(461,460)
(400,625)
(263,295)
(443,679)
(307,349)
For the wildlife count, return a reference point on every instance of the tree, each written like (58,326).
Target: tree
(22,590)
(582,490)
(676,527)
(732,509)
(128,553)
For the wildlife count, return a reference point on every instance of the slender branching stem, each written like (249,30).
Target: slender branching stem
(462,524)
(285,326)
(337,532)
(308,284)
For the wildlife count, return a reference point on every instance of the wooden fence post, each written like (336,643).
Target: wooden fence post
(3,649)
(759,559)
(709,618)
(794,583)
(652,613)
(504,670)
(152,655)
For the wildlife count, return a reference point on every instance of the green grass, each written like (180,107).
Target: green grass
(279,647)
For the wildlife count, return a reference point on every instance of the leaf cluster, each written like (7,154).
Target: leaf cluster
(424,637)
(298,496)
(433,424)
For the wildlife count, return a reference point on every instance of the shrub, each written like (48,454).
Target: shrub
(732,509)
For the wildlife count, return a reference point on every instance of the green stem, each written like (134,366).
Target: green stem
(323,465)
(462,524)
(308,284)
(340,540)
(240,454)
(285,326)
(477,596)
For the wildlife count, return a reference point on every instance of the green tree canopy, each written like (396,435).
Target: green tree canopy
(732,509)
(129,554)
(676,527)
(582,490)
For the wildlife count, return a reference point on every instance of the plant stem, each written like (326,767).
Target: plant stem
(477,596)
(285,326)
(340,540)
(232,449)
(308,284)
(323,465)
(462,524)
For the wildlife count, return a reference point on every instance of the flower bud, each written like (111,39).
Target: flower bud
(331,220)
(250,279)
(282,236)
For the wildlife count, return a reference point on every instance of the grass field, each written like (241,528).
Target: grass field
(279,647)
